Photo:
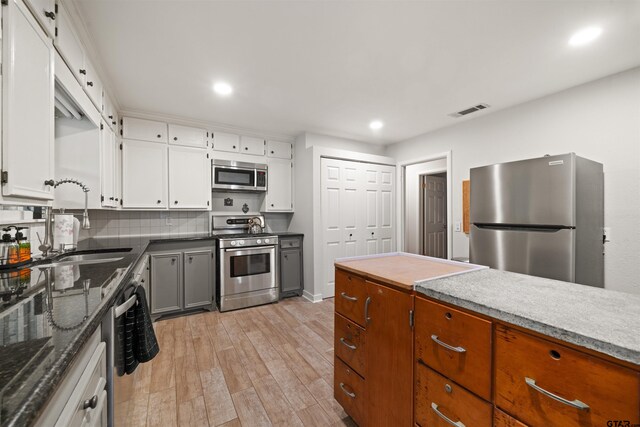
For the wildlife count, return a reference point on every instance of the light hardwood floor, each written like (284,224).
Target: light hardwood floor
(261,366)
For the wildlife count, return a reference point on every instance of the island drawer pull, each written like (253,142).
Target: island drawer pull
(573,403)
(344,390)
(444,417)
(447,346)
(367,319)
(346,344)
(348,297)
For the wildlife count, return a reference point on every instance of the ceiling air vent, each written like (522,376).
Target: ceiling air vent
(470,110)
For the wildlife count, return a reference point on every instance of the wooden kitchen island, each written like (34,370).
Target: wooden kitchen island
(430,342)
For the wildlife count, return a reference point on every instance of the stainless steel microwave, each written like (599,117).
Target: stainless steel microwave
(238,176)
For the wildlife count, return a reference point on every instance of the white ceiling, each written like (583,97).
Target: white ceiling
(333,66)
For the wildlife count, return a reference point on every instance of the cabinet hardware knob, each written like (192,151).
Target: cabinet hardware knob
(350,235)
(90,84)
(190,258)
(117,199)
(159,136)
(434,407)
(372,233)
(49,182)
(435,339)
(175,203)
(90,403)
(367,319)
(348,297)
(110,198)
(234,146)
(246,148)
(82,71)
(346,344)
(271,204)
(271,151)
(175,138)
(111,117)
(286,257)
(344,390)
(113,122)
(159,201)
(50,15)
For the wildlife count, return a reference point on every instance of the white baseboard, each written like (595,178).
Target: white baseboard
(311,297)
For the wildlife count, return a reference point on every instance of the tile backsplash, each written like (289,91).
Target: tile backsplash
(106,223)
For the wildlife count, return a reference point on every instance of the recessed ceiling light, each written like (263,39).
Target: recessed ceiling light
(585,36)
(222,88)
(376,124)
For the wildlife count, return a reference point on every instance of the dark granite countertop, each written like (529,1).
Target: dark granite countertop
(59,308)
(288,234)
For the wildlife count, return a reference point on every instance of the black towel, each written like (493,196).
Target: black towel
(130,361)
(146,345)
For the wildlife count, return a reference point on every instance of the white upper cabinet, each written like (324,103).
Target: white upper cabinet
(28,103)
(226,142)
(280,150)
(69,44)
(93,85)
(250,145)
(188,136)
(108,166)
(144,175)
(189,178)
(45,13)
(145,130)
(279,186)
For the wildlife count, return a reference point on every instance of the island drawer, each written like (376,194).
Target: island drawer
(351,295)
(442,402)
(544,383)
(349,391)
(350,344)
(455,344)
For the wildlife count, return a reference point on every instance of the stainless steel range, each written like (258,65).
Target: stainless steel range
(247,263)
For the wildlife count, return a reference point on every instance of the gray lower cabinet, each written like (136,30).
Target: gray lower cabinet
(197,278)
(291,278)
(166,275)
(181,280)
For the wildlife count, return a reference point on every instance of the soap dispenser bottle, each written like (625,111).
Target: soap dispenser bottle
(24,246)
(5,244)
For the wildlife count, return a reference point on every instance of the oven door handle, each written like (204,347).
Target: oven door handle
(256,249)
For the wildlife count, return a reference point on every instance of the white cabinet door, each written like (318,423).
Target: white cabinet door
(108,166)
(117,179)
(279,186)
(45,13)
(69,45)
(27,110)
(189,178)
(188,136)
(144,130)
(281,150)
(144,175)
(226,142)
(93,85)
(250,145)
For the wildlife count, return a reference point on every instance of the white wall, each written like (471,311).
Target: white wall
(412,200)
(599,120)
(309,148)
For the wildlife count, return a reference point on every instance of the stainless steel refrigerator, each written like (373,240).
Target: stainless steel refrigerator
(542,217)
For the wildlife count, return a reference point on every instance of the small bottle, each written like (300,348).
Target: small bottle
(14,252)
(24,246)
(5,243)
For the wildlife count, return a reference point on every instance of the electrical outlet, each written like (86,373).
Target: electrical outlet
(457,226)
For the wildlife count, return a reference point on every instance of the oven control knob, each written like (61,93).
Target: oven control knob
(233,243)
(258,241)
(241,242)
(266,240)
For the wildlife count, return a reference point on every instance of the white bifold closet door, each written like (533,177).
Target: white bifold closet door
(358,216)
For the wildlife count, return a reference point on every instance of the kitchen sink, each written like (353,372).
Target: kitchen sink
(86,257)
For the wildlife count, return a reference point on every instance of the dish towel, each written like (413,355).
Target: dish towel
(146,344)
(140,342)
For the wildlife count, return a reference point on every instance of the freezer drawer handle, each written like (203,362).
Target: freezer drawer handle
(344,390)
(346,344)
(444,417)
(348,297)
(447,346)
(573,403)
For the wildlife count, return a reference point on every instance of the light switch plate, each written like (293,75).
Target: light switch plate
(457,226)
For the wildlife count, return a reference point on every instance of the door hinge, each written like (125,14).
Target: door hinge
(101,126)
(56,8)
(5,177)
(207,203)
(5,2)
(120,132)
(121,146)
(56,32)
(121,201)
(101,198)
(207,155)
(411,319)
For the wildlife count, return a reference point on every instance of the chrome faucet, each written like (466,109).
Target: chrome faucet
(47,244)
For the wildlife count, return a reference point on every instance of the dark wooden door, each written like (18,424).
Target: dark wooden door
(389,356)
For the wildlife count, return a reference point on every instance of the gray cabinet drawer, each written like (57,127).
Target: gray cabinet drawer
(290,243)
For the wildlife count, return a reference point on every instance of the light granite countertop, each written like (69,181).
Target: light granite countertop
(598,319)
